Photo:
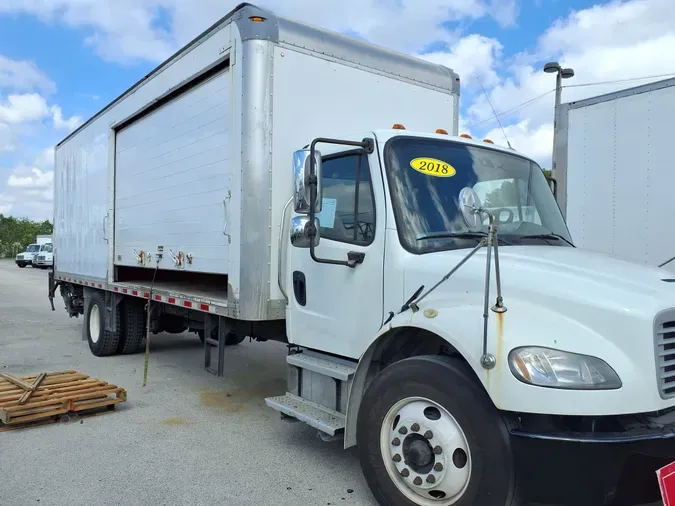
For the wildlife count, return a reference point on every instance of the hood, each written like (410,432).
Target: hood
(541,274)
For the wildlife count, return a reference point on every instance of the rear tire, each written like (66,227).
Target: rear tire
(102,343)
(134,326)
(428,434)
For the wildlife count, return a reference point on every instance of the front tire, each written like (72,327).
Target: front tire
(428,434)
(102,343)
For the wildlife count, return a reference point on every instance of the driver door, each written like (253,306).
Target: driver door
(335,308)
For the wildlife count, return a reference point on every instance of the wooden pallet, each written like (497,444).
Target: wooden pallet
(59,393)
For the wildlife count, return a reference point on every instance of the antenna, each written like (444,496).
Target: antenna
(493,112)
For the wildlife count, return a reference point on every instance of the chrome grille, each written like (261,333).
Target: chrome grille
(664,334)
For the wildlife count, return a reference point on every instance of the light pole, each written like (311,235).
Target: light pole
(561,74)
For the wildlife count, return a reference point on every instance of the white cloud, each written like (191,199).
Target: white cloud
(22,75)
(612,42)
(23,108)
(123,30)
(7,139)
(476,56)
(6,203)
(128,30)
(60,123)
(29,190)
(46,159)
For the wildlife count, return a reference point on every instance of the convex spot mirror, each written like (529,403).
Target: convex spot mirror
(471,208)
(299,236)
(301,173)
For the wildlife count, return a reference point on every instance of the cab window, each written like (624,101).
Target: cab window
(348,205)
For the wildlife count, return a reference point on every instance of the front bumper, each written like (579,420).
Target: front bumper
(592,469)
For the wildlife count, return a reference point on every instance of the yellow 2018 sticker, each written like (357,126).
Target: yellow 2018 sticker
(433,167)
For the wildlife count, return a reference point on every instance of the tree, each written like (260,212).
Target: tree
(504,196)
(16,234)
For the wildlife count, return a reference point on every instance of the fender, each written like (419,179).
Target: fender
(446,322)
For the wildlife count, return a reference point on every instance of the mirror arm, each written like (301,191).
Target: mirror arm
(369,146)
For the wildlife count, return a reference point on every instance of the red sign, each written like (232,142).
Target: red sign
(666,477)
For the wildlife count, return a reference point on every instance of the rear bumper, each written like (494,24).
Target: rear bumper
(581,470)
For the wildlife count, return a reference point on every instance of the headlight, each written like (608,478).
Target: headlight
(547,367)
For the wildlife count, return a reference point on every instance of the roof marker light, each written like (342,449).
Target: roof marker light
(488,141)
(397,126)
(466,136)
(441,131)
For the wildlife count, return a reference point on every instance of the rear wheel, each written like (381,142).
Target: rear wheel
(134,326)
(429,435)
(102,342)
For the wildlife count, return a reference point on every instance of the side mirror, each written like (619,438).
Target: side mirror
(299,236)
(471,208)
(301,190)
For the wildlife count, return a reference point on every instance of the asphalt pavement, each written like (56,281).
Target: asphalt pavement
(187,438)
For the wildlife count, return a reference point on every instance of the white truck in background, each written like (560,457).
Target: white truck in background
(29,256)
(284,182)
(615,172)
(45,257)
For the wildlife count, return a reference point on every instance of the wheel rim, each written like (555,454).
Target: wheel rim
(425,452)
(94,324)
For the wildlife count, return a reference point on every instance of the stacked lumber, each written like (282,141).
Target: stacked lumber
(45,397)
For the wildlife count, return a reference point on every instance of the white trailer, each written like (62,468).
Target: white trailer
(264,182)
(615,171)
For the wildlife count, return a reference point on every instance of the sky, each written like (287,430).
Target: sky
(61,61)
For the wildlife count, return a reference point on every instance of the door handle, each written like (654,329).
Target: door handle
(355,257)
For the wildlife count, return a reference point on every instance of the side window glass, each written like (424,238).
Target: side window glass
(348,206)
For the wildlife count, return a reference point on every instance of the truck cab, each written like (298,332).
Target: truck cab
(45,257)
(482,339)
(28,256)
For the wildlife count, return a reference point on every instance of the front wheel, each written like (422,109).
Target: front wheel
(429,435)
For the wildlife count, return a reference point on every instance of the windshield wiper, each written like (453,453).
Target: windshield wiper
(556,237)
(457,235)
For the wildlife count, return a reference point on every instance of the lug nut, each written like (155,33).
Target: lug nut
(405,473)
(415,427)
(403,430)
(438,450)
(397,458)
(431,479)
(417,481)
(438,467)
(396,441)
(429,435)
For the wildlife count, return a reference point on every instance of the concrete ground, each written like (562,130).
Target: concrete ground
(186,438)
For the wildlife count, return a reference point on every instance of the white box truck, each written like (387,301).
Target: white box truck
(615,172)
(29,256)
(283,182)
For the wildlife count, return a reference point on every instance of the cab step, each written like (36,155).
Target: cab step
(332,367)
(316,416)
(318,387)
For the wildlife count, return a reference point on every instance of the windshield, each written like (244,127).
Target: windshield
(33,248)
(47,248)
(425,201)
